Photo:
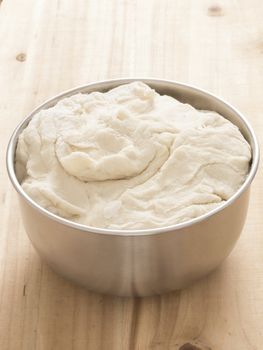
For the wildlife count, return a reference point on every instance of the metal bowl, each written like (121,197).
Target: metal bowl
(139,262)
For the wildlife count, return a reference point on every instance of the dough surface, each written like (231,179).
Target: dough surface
(130,159)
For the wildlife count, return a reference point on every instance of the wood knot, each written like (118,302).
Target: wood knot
(196,346)
(215,11)
(21,57)
(188,346)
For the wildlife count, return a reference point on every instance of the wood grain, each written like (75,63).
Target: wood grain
(50,46)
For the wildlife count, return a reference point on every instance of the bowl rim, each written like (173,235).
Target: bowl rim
(10,156)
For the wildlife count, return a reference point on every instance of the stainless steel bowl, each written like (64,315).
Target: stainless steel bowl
(139,262)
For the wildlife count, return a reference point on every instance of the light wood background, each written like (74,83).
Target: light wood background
(47,46)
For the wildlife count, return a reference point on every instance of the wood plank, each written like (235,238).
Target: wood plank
(50,46)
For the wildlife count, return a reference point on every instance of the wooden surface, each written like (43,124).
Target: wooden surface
(49,46)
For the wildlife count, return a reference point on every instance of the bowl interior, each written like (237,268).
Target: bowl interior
(198,98)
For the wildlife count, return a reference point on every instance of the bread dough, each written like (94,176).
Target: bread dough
(130,159)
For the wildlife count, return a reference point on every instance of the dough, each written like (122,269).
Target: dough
(130,159)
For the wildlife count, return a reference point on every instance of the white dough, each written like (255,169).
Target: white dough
(130,159)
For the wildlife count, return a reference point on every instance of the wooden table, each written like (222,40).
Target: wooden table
(49,46)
